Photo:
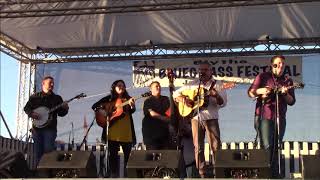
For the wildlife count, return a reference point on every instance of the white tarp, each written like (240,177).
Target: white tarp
(280,21)
(236,122)
(224,68)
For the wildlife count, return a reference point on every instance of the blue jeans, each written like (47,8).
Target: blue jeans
(268,140)
(44,141)
(268,131)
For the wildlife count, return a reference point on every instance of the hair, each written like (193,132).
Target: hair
(154,82)
(47,77)
(275,57)
(114,94)
(204,63)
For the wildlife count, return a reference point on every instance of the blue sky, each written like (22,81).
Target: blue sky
(9,69)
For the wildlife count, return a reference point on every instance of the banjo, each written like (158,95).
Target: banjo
(44,112)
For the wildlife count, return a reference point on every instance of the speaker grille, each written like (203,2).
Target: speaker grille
(68,164)
(310,166)
(242,164)
(154,163)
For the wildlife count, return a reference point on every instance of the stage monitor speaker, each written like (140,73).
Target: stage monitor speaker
(310,166)
(70,164)
(252,163)
(154,163)
(13,165)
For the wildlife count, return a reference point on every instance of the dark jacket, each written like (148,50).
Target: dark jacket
(48,100)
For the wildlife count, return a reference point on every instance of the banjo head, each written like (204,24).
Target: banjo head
(44,117)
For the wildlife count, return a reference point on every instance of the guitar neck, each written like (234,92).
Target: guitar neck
(127,102)
(234,79)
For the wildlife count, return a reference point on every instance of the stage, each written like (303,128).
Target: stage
(296,158)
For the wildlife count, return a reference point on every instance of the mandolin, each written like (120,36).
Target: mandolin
(274,89)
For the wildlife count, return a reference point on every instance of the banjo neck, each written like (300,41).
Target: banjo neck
(60,105)
(66,102)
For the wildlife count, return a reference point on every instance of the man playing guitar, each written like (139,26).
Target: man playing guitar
(44,137)
(206,121)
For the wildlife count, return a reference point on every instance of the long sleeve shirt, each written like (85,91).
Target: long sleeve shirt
(269,106)
(48,100)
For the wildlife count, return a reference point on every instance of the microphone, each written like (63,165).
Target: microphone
(274,65)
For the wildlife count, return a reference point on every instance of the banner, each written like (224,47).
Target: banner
(238,69)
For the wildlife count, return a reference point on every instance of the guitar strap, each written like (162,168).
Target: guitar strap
(206,99)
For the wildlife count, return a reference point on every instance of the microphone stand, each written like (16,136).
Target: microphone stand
(106,156)
(106,149)
(84,141)
(5,123)
(69,148)
(277,135)
(72,141)
(199,119)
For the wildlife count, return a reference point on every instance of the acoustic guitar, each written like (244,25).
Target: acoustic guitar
(113,110)
(191,94)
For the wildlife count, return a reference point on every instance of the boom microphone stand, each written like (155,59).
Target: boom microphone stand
(84,141)
(5,123)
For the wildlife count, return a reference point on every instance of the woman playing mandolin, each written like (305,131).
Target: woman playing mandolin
(121,130)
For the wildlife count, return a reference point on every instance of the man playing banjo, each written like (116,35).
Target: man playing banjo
(38,109)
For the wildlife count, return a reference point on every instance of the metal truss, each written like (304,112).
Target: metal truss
(15,49)
(149,52)
(26,87)
(41,8)
(161,51)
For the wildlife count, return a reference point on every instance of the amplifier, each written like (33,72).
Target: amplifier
(310,166)
(242,164)
(69,164)
(154,163)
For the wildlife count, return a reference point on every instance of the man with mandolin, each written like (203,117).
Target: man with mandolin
(265,88)
(116,108)
(44,136)
(201,99)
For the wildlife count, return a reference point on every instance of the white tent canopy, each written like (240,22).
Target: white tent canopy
(278,21)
